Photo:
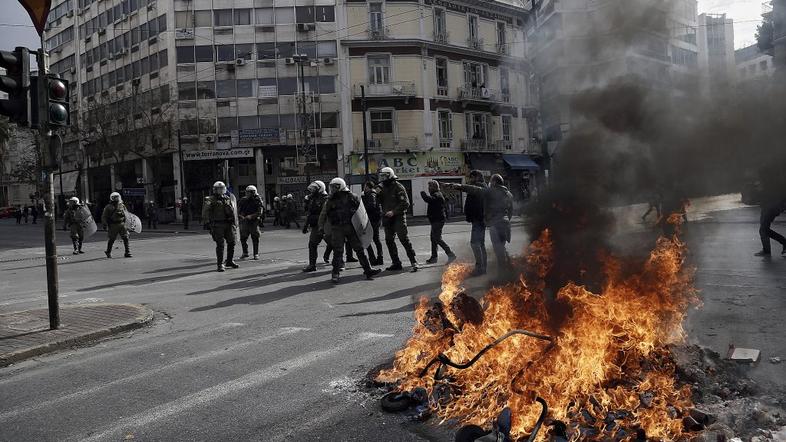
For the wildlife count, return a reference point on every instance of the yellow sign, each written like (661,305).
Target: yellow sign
(39,11)
(416,164)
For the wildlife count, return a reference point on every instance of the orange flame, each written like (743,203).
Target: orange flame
(609,357)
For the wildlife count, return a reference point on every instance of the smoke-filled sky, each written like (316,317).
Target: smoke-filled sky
(746,14)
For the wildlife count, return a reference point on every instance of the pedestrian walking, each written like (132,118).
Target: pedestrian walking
(26,213)
(395,203)
(152,215)
(437,216)
(218,213)
(74,225)
(497,212)
(336,221)
(655,202)
(34,213)
(315,201)
(773,202)
(473,210)
(18,215)
(250,213)
(185,211)
(291,211)
(374,212)
(114,220)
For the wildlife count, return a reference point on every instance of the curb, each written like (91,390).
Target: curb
(145,318)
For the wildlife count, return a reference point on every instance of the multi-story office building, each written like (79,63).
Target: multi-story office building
(171,95)
(577,45)
(716,52)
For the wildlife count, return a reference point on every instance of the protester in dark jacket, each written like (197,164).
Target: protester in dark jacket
(773,202)
(473,209)
(437,216)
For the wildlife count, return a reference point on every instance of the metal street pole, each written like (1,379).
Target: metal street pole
(305,137)
(60,175)
(365,129)
(52,280)
(182,174)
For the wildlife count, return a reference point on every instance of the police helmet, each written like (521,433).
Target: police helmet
(252,190)
(338,185)
(219,188)
(387,173)
(114,196)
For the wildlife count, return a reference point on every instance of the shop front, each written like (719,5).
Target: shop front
(414,171)
(202,168)
(283,174)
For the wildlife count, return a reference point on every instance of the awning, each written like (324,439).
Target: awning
(69,183)
(520,162)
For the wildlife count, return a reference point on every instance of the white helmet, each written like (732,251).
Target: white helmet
(74,200)
(276,199)
(387,173)
(219,188)
(289,196)
(338,185)
(251,189)
(114,196)
(317,187)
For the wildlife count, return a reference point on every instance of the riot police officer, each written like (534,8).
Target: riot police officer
(250,215)
(219,213)
(74,224)
(395,203)
(114,220)
(336,221)
(315,201)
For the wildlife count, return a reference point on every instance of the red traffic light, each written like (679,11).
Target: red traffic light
(57,90)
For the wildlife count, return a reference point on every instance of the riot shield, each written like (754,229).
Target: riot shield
(133,223)
(233,199)
(85,218)
(362,226)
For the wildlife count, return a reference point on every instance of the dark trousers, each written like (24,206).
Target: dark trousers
(221,233)
(499,234)
(397,226)
(313,243)
(378,256)
(477,242)
(249,228)
(768,215)
(436,239)
(345,234)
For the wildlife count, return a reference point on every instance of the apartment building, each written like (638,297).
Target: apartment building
(716,52)
(753,66)
(170,95)
(576,45)
(443,86)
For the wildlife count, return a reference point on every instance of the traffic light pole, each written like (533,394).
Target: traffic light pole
(44,147)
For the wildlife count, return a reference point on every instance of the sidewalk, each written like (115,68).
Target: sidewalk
(26,334)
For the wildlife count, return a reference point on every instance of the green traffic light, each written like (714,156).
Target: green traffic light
(58,114)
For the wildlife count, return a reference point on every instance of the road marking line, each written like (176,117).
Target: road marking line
(112,352)
(211,354)
(202,397)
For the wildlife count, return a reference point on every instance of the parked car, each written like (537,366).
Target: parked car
(7,212)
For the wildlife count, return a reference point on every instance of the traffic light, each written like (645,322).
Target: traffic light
(16,82)
(56,111)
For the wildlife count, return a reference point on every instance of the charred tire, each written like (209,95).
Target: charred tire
(470,433)
(396,402)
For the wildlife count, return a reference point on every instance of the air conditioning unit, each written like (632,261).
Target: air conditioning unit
(81,11)
(210,138)
(240,61)
(328,61)
(70,14)
(72,70)
(151,6)
(102,31)
(305,27)
(289,61)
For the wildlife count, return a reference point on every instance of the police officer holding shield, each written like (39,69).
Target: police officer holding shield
(219,213)
(114,220)
(74,225)
(250,214)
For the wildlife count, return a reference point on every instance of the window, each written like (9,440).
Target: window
(287,85)
(203,53)
(324,84)
(227,125)
(248,122)
(472,21)
(222,17)
(501,37)
(245,88)
(304,14)
(189,127)
(202,19)
(61,38)
(381,122)
(376,20)
(475,74)
(268,120)
(225,53)
(326,49)
(476,126)
(162,24)
(266,51)
(184,19)
(264,16)
(163,59)
(185,54)
(442,76)
(763,65)
(329,120)
(186,91)
(205,90)
(285,15)
(244,51)
(307,48)
(225,89)
(440,26)
(289,121)
(242,16)
(504,84)
(326,14)
(379,69)
(445,121)
(507,129)
(286,49)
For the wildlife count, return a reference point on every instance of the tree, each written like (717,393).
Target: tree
(765,34)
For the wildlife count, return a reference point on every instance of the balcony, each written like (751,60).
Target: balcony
(503,49)
(477,95)
(474,145)
(389,143)
(441,37)
(378,33)
(475,43)
(395,89)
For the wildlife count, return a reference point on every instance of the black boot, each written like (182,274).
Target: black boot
(220,258)
(369,271)
(80,247)
(256,249)
(230,255)
(109,245)
(128,249)
(244,245)
(76,246)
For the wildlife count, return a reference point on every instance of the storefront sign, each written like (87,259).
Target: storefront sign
(417,164)
(133,191)
(485,13)
(302,179)
(246,137)
(218,154)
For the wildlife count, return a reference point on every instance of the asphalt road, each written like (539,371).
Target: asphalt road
(268,353)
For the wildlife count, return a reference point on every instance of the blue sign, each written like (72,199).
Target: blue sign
(247,136)
(134,191)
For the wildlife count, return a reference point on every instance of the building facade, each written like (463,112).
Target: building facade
(716,52)
(753,66)
(169,96)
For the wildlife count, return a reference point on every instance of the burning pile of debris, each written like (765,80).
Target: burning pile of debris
(593,366)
